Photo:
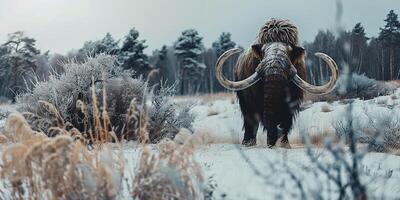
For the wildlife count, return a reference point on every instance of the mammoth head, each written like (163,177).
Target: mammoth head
(276,61)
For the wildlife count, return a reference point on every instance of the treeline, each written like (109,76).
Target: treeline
(376,57)
(190,65)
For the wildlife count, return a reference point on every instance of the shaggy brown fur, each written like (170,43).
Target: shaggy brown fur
(277,30)
(252,100)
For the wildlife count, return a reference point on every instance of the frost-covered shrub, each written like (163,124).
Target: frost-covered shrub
(63,91)
(359,86)
(387,130)
(165,118)
(116,92)
(380,132)
(358,83)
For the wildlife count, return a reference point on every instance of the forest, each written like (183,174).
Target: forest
(115,118)
(188,64)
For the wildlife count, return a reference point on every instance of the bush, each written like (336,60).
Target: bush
(381,132)
(74,95)
(62,167)
(37,167)
(360,86)
(358,83)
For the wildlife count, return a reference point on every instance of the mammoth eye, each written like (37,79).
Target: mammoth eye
(289,48)
(297,51)
(257,49)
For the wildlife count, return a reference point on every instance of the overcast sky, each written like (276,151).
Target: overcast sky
(62,25)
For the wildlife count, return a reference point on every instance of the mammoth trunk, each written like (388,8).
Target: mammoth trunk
(280,104)
(275,104)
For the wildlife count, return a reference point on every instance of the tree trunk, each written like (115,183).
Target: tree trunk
(321,78)
(391,59)
(382,65)
(360,62)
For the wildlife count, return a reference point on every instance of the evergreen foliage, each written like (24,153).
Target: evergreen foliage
(131,54)
(188,48)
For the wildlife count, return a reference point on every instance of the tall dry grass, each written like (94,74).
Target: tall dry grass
(75,165)
(170,172)
(37,167)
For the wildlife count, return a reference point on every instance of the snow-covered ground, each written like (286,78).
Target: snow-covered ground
(236,178)
(225,161)
(222,119)
(258,172)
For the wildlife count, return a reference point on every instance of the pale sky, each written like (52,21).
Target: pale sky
(62,25)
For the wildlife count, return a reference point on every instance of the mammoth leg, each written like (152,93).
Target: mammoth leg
(286,126)
(250,130)
(250,116)
(287,122)
(272,132)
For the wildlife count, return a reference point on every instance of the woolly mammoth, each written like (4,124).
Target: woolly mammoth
(270,81)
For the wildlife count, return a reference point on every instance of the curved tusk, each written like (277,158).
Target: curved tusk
(233,85)
(323,89)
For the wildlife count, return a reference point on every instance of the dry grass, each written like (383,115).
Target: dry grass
(203,136)
(205,98)
(326,108)
(38,167)
(316,139)
(382,101)
(212,112)
(169,173)
(395,83)
(35,166)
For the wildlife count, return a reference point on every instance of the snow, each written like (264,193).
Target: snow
(237,180)
(261,173)
(226,123)
(221,159)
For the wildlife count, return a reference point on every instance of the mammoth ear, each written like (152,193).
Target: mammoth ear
(257,50)
(298,52)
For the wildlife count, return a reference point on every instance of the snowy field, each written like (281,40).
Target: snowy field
(237,172)
(221,122)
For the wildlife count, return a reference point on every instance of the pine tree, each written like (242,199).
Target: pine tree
(106,45)
(109,45)
(131,54)
(358,47)
(372,59)
(188,49)
(18,58)
(161,57)
(43,67)
(210,82)
(4,71)
(325,42)
(159,63)
(223,43)
(390,38)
